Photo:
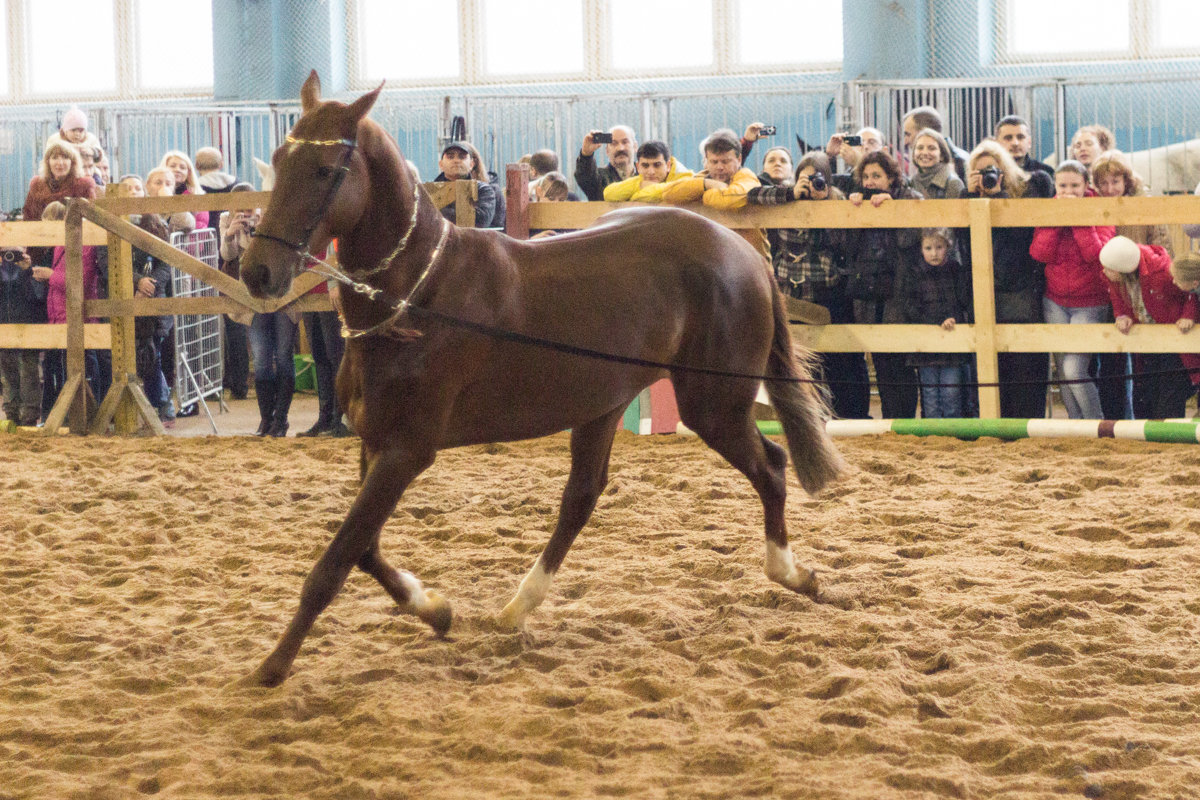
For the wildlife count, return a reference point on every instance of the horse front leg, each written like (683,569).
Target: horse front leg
(388,474)
(407,591)
(591,446)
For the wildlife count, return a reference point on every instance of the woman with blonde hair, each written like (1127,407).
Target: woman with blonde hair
(935,178)
(186,180)
(1018,281)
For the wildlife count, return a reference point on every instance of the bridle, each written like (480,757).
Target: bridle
(336,175)
(321,267)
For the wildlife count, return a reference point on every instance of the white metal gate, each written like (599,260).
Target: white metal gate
(199,367)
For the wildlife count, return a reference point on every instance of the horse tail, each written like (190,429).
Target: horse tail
(802,408)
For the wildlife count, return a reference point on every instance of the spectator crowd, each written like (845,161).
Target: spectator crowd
(1083,274)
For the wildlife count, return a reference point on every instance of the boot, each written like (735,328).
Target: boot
(285,387)
(265,391)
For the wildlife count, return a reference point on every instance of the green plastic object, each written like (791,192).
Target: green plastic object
(306,373)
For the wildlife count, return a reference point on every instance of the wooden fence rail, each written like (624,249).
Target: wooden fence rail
(100,224)
(985,338)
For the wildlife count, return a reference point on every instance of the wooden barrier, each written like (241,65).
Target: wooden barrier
(99,224)
(985,338)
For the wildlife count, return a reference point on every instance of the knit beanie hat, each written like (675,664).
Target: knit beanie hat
(1187,267)
(75,118)
(1121,254)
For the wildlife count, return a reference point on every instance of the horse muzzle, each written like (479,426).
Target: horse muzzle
(262,281)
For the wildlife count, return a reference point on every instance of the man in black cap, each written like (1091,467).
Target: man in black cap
(456,164)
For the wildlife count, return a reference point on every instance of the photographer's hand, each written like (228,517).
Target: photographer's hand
(753,132)
(589,147)
(42,273)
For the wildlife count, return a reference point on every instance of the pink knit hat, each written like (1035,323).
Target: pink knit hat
(75,118)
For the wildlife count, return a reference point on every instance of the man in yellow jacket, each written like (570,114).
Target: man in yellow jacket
(722,184)
(656,169)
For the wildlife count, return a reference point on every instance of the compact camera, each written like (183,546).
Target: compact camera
(852,141)
(601,138)
(989,178)
(818,182)
(766,130)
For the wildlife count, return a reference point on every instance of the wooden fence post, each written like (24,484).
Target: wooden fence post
(124,347)
(517,191)
(983,284)
(76,384)
(465,194)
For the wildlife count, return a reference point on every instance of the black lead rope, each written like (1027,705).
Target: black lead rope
(599,355)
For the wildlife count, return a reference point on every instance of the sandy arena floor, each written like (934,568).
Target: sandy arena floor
(1000,620)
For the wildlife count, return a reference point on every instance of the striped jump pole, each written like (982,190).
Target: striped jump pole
(1183,431)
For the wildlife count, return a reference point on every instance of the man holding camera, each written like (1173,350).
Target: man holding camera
(852,148)
(22,301)
(620,144)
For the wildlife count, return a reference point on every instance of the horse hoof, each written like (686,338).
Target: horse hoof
(512,618)
(266,676)
(437,614)
(808,584)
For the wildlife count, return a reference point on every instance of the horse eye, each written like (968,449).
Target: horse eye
(324,172)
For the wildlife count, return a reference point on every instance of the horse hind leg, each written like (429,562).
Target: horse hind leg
(388,475)
(729,429)
(591,446)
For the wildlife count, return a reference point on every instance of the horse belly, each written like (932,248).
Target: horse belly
(543,394)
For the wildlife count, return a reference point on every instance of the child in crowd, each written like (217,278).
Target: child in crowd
(656,168)
(74,131)
(1144,289)
(22,301)
(55,361)
(937,291)
(1076,291)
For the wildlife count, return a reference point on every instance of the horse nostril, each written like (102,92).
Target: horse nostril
(255,276)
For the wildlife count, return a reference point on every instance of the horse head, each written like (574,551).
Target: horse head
(320,190)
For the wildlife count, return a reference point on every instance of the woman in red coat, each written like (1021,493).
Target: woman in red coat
(1076,291)
(60,176)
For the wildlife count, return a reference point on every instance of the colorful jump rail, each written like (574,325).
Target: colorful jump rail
(1175,431)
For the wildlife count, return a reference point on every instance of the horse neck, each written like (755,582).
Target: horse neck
(387,214)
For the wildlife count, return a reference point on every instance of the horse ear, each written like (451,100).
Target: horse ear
(310,92)
(359,108)
(267,173)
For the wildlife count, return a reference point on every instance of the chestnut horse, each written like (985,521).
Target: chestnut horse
(661,285)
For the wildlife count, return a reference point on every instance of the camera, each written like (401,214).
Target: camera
(10,256)
(989,177)
(601,138)
(852,140)
(818,182)
(766,130)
